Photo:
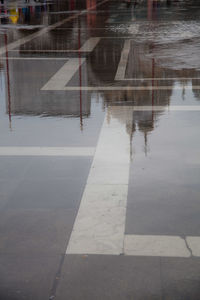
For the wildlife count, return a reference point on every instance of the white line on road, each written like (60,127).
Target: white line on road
(168,108)
(120,74)
(155,245)
(64,75)
(47,151)
(160,108)
(33,58)
(164,79)
(44,51)
(194,244)
(100,222)
(129,88)
(89,45)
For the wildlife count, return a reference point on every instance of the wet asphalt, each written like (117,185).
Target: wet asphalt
(141,79)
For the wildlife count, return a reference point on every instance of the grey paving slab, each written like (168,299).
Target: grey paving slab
(13,168)
(50,183)
(7,188)
(109,277)
(180,278)
(12,172)
(29,233)
(68,168)
(52,193)
(27,278)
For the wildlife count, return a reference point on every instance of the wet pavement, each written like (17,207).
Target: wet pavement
(99,150)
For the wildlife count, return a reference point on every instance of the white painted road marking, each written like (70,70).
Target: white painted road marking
(121,70)
(162,79)
(155,245)
(120,74)
(90,44)
(168,108)
(59,80)
(100,222)
(194,244)
(47,151)
(128,88)
(32,58)
(64,75)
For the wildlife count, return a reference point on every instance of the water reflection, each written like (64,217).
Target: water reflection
(39,12)
(158,56)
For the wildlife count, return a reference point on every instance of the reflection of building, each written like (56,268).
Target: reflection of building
(143,66)
(26,97)
(134,120)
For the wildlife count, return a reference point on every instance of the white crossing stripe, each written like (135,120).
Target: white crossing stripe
(100,222)
(194,244)
(121,70)
(155,245)
(47,151)
(162,79)
(120,74)
(64,75)
(90,44)
(32,58)
(168,108)
(129,88)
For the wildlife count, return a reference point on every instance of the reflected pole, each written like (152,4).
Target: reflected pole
(80,74)
(150,6)
(153,75)
(8,82)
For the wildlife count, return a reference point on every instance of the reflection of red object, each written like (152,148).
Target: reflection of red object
(152,10)
(91,17)
(150,7)
(72,4)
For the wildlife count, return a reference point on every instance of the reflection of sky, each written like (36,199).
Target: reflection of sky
(2,92)
(183,96)
(52,131)
(163,139)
